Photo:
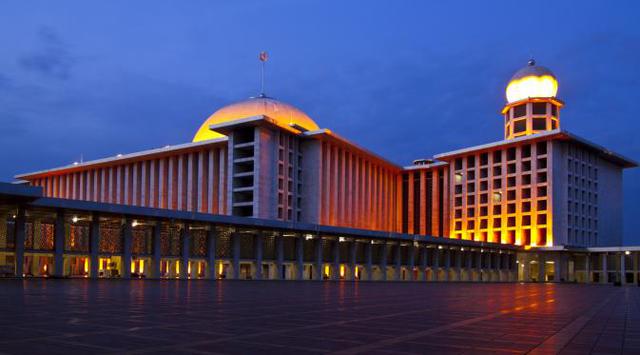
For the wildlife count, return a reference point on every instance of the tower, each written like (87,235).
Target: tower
(531,106)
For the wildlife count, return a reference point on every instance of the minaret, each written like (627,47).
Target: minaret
(531,106)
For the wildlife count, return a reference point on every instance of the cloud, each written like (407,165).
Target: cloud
(52,59)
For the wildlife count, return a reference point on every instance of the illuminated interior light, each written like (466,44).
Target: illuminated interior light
(220,269)
(342,239)
(341,270)
(532,86)
(86,265)
(177,267)
(326,270)
(74,219)
(134,224)
(133,266)
(627,252)
(458,177)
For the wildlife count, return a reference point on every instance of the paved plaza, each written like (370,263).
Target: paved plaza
(115,316)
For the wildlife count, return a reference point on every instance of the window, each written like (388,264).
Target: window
(526,206)
(484,159)
(497,183)
(542,219)
(539,123)
(471,161)
(520,110)
(542,205)
(542,191)
(526,220)
(526,179)
(458,164)
(511,154)
(539,108)
(497,222)
(497,209)
(519,126)
(541,148)
(497,156)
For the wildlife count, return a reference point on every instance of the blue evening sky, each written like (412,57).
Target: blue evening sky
(406,79)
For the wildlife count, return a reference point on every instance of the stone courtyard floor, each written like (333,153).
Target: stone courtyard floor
(257,317)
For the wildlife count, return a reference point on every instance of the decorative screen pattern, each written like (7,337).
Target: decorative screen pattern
(77,237)
(170,240)
(199,242)
(111,238)
(39,236)
(142,240)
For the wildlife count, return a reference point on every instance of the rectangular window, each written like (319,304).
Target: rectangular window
(539,108)
(520,110)
(539,123)
(519,126)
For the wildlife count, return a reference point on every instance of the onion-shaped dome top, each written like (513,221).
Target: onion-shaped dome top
(532,81)
(283,113)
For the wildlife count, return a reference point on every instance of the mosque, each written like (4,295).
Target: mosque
(262,192)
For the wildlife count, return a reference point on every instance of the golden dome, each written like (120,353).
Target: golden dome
(532,81)
(284,114)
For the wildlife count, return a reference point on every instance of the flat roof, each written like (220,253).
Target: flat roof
(122,158)
(554,134)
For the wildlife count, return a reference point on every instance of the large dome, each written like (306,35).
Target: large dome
(284,114)
(532,81)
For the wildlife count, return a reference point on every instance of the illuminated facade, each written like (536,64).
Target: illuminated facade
(541,187)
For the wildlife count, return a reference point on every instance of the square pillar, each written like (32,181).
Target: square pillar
(157,251)
(335,250)
(635,268)
(411,261)
(368,255)
(19,240)
(479,266)
(300,257)
(186,253)
(557,268)
(542,263)
(468,265)
(605,273)
(235,258)
(94,248)
(383,261)
(257,239)
(351,275)
(397,261)
(126,246)
(279,257)
(58,240)
(211,252)
(423,262)
(318,255)
(435,264)
(587,268)
(623,269)
(447,263)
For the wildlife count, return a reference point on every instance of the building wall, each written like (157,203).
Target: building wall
(588,197)
(354,189)
(502,194)
(425,201)
(191,180)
